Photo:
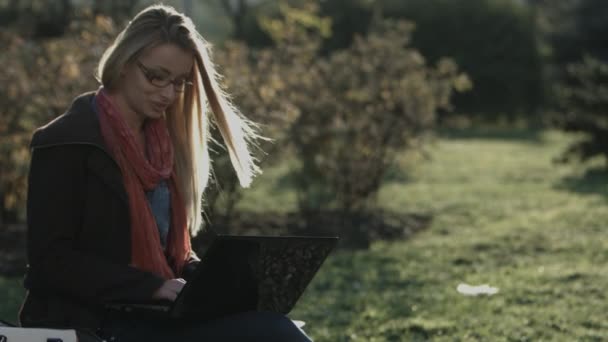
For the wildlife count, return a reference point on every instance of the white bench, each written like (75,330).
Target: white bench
(10,333)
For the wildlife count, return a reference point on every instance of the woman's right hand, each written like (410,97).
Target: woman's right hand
(170,289)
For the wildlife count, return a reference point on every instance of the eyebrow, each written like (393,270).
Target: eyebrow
(167,71)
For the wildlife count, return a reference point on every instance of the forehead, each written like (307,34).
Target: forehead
(169,57)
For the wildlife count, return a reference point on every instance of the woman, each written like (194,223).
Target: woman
(115,189)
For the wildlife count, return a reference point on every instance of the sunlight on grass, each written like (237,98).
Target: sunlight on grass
(503,215)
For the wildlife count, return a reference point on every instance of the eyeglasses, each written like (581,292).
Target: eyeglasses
(162,80)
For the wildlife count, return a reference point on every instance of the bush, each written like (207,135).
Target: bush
(345,116)
(582,93)
(584,97)
(494,41)
(40,81)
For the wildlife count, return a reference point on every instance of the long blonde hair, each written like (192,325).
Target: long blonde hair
(187,120)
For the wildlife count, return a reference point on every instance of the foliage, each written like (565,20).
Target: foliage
(577,31)
(381,98)
(118,10)
(243,16)
(37,18)
(569,30)
(584,96)
(493,41)
(46,19)
(349,18)
(346,115)
(496,42)
(343,115)
(42,78)
(261,81)
(557,29)
(592,28)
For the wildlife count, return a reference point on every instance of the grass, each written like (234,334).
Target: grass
(11,294)
(503,215)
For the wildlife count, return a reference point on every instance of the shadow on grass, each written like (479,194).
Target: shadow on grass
(357,282)
(396,174)
(524,134)
(355,232)
(11,296)
(593,182)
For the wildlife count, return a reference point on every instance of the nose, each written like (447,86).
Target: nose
(168,93)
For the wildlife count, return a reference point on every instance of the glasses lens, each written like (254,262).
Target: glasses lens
(180,86)
(160,82)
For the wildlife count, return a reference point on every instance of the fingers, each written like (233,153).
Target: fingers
(170,289)
(174,287)
(170,295)
(177,284)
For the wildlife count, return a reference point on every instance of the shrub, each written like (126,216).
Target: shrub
(584,98)
(345,116)
(40,81)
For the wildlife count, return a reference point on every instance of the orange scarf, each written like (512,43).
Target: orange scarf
(142,174)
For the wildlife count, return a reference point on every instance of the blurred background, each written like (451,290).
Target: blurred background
(444,141)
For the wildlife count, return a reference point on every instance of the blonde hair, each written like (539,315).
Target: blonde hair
(187,121)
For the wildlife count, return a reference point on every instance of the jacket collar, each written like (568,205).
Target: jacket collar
(78,125)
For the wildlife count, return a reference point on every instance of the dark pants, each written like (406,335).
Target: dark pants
(249,326)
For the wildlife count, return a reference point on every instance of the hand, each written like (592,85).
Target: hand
(169,289)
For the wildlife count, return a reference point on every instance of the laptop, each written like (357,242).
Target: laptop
(243,273)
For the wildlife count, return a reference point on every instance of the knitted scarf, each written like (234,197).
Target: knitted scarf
(141,174)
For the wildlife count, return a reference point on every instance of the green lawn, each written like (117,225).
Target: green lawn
(11,294)
(503,215)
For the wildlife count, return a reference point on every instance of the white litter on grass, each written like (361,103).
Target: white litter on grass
(476,290)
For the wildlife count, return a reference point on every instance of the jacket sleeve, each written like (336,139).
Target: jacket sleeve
(55,208)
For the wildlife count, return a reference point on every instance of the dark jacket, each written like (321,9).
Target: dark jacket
(78,237)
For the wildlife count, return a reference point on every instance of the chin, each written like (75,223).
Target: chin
(155,113)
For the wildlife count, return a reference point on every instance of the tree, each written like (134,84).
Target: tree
(493,41)
(582,93)
(592,24)
(584,98)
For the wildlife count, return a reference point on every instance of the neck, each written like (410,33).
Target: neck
(132,118)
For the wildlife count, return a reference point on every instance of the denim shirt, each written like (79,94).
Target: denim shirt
(159,200)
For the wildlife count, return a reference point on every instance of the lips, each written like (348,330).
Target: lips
(160,106)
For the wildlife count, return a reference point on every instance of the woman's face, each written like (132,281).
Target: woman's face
(150,84)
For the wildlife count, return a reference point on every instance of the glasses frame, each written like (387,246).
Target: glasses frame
(178,86)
